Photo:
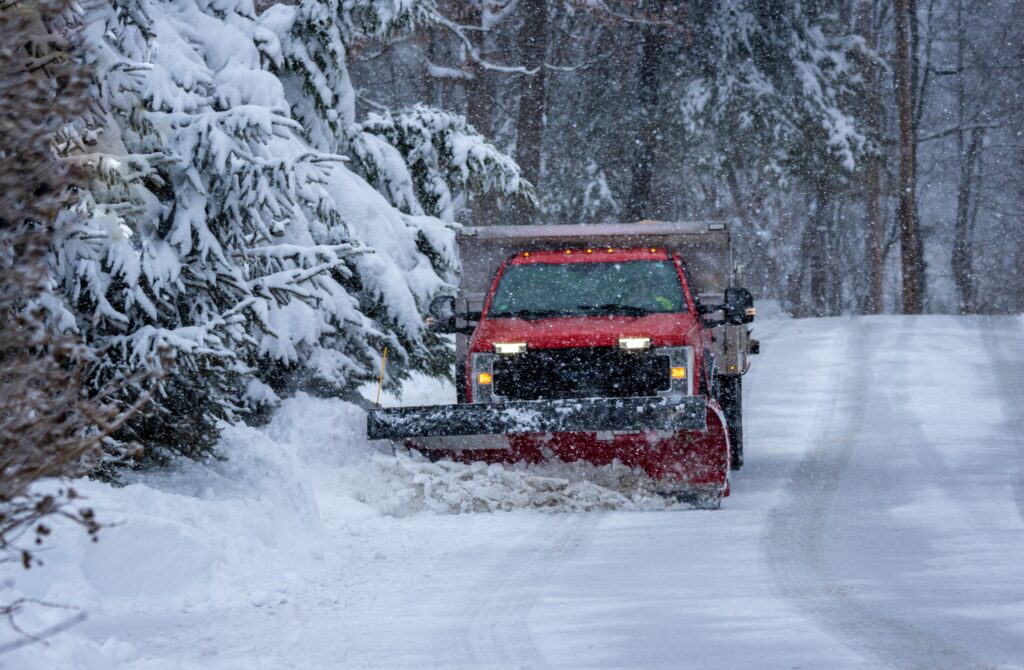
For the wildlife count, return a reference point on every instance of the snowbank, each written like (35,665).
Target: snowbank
(253,525)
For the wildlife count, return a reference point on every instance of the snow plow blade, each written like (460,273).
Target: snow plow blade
(539,416)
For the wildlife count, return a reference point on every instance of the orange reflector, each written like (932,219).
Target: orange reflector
(590,251)
(610,249)
(568,251)
(526,254)
(678,373)
(653,250)
(484,378)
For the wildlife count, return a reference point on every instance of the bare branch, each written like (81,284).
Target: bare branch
(474,54)
(626,18)
(953,130)
(10,610)
(52,424)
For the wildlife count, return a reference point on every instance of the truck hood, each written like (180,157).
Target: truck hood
(587,331)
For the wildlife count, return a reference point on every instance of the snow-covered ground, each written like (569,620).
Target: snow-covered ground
(879,522)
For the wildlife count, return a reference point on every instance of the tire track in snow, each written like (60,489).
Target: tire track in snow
(493,630)
(1003,338)
(795,538)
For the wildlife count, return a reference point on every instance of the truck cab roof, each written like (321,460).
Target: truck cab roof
(703,246)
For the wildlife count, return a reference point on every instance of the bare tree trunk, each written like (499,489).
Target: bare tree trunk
(432,88)
(795,282)
(479,91)
(968,153)
(533,47)
(875,253)
(872,176)
(911,249)
(819,244)
(638,204)
(479,87)
(963,251)
(479,100)
(839,252)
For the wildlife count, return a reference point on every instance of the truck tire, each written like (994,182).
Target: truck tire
(730,396)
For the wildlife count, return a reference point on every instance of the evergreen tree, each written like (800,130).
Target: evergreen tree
(777,102)
(224,226)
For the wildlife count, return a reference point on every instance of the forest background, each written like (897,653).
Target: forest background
(782,118)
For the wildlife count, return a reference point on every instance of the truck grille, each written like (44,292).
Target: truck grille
(580,373)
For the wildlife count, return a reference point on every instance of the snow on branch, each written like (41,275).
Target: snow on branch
(223,225)
(448,157)
(474,53)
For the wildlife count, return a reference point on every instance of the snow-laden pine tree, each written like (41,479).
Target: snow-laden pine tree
(778,103)
(777,90)
(424,160)
(226,227)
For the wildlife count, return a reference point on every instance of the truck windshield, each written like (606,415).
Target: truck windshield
(631,288)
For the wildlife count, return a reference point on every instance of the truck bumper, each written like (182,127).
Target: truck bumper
(466,426)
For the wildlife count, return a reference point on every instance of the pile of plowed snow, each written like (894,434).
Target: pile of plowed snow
(250,525)
(406,483)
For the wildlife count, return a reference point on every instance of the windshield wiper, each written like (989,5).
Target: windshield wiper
(528,314)
(615,308)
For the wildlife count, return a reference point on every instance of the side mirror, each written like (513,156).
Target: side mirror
(739,306)
(703,309)
(442,314)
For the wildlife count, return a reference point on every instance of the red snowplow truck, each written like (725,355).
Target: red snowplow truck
(593,342)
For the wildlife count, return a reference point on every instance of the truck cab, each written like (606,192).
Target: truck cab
(585,323)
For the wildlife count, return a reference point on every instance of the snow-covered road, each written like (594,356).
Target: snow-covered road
(878,523)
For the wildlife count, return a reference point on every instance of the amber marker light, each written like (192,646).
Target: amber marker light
(634,343)
(484,378)
(678,373)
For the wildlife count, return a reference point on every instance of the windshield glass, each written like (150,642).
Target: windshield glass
(631,288)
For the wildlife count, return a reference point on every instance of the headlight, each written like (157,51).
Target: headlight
(634,343)
(510,347)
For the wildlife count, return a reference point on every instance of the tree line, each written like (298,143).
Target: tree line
(867,152)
